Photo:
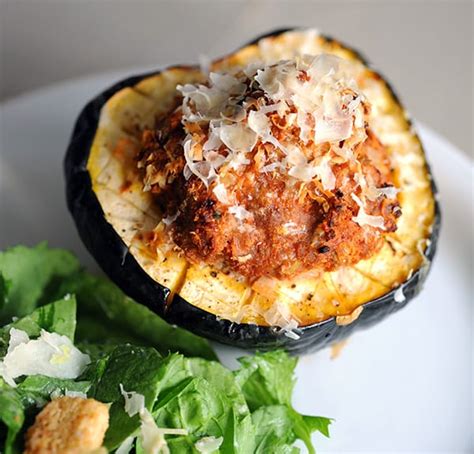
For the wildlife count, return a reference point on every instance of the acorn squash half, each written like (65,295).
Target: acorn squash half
(111,211)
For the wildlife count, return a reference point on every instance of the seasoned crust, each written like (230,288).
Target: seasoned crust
(68,425)
(161,159)
(289,228)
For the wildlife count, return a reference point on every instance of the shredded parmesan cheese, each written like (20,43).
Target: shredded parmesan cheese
(126,446)
(421,247)
(208,445)
(315,92)
(134,402)
(363,218)
(240,212)
(170,219)
(399,296)
(79,394)
(152,436)
(280,315)
(220,192)
(51,355)
(238,138)
(373,193)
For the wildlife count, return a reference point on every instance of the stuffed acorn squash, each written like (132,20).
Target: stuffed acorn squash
(279,198)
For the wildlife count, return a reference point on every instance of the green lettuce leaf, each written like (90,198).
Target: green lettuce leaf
(279,426)
(135,368)
(192,393)
(207,390)
(4,288)
(220,378)
(239,434)
(35,390)
(267,381)
(204,410)
(304,426)
(317,423)
(267,378)
(273,430)
(12,415)
(30,272)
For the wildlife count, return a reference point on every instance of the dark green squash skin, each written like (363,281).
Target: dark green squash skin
(113,256)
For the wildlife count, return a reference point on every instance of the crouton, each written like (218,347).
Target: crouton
(68,425)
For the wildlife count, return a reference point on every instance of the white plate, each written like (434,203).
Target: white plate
(404,385)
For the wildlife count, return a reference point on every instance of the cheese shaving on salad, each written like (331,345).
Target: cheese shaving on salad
(152,437)
(51,355)
(208,445)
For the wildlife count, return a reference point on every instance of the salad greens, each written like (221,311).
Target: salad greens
(28,274)
(177,373)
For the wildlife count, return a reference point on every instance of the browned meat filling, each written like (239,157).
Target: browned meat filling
(281,226)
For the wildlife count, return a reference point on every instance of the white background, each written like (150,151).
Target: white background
(424,47)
